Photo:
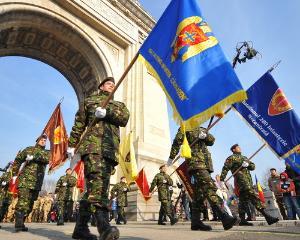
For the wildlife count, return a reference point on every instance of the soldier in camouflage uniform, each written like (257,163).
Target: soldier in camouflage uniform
(200,167)
(48,201)
(163,181)
(244,183)
(64,190)
(99,151)
(5,196)
(30,180)
(120,192)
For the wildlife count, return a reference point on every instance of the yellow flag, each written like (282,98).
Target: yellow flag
(127,159)
(185,147)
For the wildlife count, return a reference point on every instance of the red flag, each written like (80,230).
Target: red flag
(143,185)
(185,178)
(13,187)
(57,134)
(79,170)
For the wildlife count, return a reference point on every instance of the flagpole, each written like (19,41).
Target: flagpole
(209,127)
(108,98)
(252,156)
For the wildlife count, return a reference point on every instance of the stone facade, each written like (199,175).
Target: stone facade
(87,40)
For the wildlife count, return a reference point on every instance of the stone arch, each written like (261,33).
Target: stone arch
(46,38)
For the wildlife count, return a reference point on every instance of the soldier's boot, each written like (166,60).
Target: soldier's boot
(227,220)
(243,221)
(270,220)
(197,224)
(81,230)
(19,223)
(106,231)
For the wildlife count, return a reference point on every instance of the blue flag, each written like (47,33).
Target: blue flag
(185,57)
(294,161)
(268,111)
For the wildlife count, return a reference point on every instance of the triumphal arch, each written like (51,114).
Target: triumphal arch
(87,40)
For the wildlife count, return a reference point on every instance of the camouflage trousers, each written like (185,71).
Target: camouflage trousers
(97,172)
(165,209)
(26,198)
(65,209)
(198,203)
(247,196)
(5,201)
(121,214)
(205,188)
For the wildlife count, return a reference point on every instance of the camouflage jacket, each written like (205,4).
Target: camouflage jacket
(243,178)
(164,191)
(104,137)
(120,191)
(4,184)
(64,187)
(201,157)
(32,175)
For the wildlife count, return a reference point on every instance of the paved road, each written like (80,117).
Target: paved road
(151,231)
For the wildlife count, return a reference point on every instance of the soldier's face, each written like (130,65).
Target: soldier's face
(237,149)
(42,142)
(163,169)
(108,86)
(69,171)
(273,172)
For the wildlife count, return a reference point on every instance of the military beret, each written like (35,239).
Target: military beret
(122,178)
(68,169)
(44,136)
(162,166)
(106,80)
(272,169)
(233,147)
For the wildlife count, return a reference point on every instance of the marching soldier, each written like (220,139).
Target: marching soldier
(120,192)
(163,182)
(30,180)
(64,191)
(244,184)
(200,167)
(98,150)
(48,201)
(5,196)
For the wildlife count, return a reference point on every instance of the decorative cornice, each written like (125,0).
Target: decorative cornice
(133,10)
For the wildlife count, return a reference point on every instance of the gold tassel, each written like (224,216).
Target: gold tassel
(185,147)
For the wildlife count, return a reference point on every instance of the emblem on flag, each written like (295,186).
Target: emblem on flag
(192,38)
(279,104)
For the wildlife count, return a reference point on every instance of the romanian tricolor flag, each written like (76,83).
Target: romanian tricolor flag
(57,134)
(185,57)
(260,191)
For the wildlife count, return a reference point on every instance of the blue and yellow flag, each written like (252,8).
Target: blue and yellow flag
(185,57)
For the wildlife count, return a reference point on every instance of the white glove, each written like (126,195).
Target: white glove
(164,181)
(171,188)
(100,112)
(169,162)
(3,183)
(29,157)
(245,164)
(202,135)
(64,184)
(14,178)
(125,189)
(70,152)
